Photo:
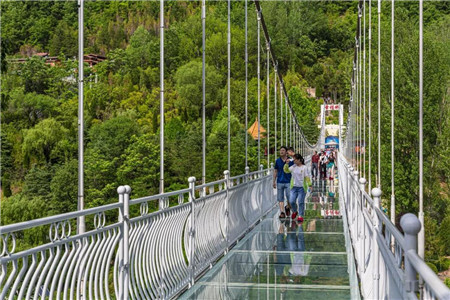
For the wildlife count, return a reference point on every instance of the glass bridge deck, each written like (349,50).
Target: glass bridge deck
(284,259)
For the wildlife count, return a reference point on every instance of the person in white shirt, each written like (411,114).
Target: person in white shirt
(299,171)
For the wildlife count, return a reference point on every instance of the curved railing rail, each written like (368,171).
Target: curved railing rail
(132,252)
(387,262)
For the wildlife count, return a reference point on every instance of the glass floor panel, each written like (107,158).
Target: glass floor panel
(308,226)
(264,291)
(284,259)
(287,268)
(294,241)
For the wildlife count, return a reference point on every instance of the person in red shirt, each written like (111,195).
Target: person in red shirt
(314,165)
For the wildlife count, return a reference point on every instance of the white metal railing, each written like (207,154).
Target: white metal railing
(387,262)
(131,252)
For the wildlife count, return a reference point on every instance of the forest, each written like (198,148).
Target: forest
(314,42)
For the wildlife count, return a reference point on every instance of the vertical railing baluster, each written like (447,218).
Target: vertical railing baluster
(226,173)
(411,226)
(376,193)
(362,186)
(247,203)
(191,253)
(349,192)
(126,243)
(260,175)
(121,191)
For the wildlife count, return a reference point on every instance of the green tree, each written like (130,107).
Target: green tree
(64,40)
(35,74)
(140,168)
(42,139)
(103,156)
(188,80)
(64,187)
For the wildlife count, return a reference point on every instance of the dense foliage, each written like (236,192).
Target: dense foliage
(314,43)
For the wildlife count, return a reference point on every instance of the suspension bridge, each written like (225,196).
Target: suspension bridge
(223,239)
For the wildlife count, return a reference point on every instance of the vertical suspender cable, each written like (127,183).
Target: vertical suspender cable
(351,120)
(421,216)
(356,99)
(81,223)
(246,82)
(281,116)
(268,106)
(229,83)
(291,133)
(293,128)
(370,96)
(275,98)
(295,134)
(286,119)
(300,143)
(290,127)
(298,137)
(259,87)
(204,92)
(360,94)
(364,90)
(357,89)
(392,115)
(296,145)
(161,100)
(379,96)
(353,114)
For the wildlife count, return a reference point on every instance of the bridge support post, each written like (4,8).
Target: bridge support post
(349,193)
(260,175)
(247,170)
(247,180)
(411,226)
(124,279)
(191,253)
(362,186)
(126,241)
(357,217)
(226,173)
(376,194)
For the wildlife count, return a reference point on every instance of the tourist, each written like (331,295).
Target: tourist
(282,181)
(299,174)
(323,165)
(314,165)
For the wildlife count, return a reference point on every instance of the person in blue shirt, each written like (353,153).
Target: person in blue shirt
(282,181)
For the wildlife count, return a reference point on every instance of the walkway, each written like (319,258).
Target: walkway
(285,260)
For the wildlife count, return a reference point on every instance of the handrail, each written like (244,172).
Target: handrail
(436,285)
(153,255)
(159,196)
(57,218)
(392,262)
